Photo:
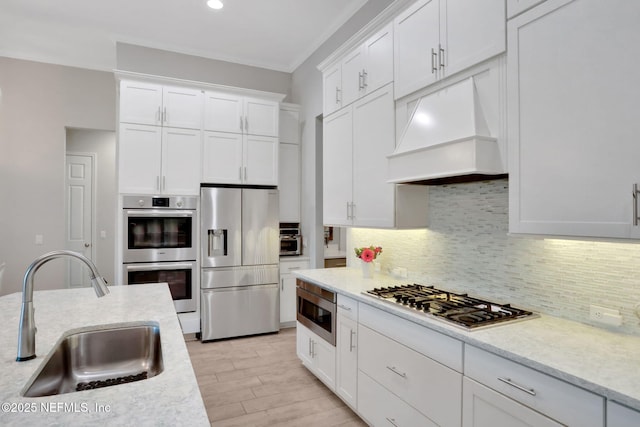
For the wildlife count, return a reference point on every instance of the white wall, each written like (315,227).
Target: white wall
(38,102)
(467,248)
(307,91)
(186,67)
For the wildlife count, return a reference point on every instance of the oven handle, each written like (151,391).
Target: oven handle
(160,266)
(160,213)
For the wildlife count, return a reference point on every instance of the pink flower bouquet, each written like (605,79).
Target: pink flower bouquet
(368,254)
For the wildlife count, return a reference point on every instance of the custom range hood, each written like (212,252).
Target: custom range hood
(446,140)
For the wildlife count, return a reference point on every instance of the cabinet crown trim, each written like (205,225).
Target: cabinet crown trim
(150,78)
(382,19)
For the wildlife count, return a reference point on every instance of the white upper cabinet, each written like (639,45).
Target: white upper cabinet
(157,105)
(232,113)
(356,141)
(289,181)
(434,39)
(364,69)
(572,119)
(154,160)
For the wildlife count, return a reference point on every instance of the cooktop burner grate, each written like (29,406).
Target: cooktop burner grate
(459,309)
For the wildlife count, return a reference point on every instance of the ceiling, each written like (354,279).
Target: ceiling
(274,34)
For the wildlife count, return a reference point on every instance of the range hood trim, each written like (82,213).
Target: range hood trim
(424,159)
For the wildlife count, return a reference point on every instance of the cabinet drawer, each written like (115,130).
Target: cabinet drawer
(432,344)
(557,399)
(347,307)
(286,267)
(431,388)
(380,407)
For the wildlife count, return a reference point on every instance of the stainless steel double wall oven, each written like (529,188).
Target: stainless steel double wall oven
(160,245)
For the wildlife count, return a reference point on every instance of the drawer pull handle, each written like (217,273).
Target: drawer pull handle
(344,307)
(530,391)
(351,346)
(392,421)
(395,371)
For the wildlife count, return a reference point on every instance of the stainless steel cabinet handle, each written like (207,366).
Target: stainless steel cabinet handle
(635,205)
(364,79)
(159,114)
(395,371)
(313,349)
(241,127)
(337,95)
(86,245)
(246,124)
(441,56)
(344,307)
(360,80)
(392,421)
(294,268)
(353,210)
(282,284)
(351,345)
(434,55)
(508,381)
(310,348)
(348,216)
(245,173)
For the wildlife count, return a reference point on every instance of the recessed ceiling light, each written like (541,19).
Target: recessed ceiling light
(215,4)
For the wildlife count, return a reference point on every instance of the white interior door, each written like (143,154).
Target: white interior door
(79,207)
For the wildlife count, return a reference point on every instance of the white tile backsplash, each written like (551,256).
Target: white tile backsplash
(467,248)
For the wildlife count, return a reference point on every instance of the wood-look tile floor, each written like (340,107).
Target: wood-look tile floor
(259,381)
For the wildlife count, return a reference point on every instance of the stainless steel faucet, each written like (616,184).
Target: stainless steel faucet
(27,328)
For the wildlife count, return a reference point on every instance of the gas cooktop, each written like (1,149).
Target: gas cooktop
(458,309)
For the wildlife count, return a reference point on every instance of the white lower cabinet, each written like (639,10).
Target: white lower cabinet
(347,350)
(520,390)
(379,407)
(483,407)
(428,386)
(621,416)
(317,355)
(288,289)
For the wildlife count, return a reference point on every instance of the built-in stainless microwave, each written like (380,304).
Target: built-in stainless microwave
(316,309)
(290,240)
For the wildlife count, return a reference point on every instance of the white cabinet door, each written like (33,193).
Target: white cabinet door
(352,76)
(140,103)
(287,298)
(621,416)
(222,158)
(475,31)
(289,182)
(223,112)
(332,89)
(181,161)
(347,359)
(373,140)
(289,124)
(303,346)
(182,107)
(337,168)
(261,117)
(378,54)
(483,407)
(416,35)
(140,157)
(260,160)
(573,154)
(325,361)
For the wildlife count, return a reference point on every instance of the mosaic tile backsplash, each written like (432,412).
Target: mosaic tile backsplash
(467,249)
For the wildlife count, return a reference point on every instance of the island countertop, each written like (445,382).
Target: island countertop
(595,359)
(170,398)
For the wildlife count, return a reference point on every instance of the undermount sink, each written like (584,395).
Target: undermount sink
(99,358)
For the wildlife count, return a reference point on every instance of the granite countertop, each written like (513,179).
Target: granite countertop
(170,398)
(595,359)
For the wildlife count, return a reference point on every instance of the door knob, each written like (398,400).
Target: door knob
(86,245)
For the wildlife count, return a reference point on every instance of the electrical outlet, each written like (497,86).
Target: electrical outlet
(607,316)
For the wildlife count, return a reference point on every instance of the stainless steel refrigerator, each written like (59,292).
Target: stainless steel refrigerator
(240,261)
